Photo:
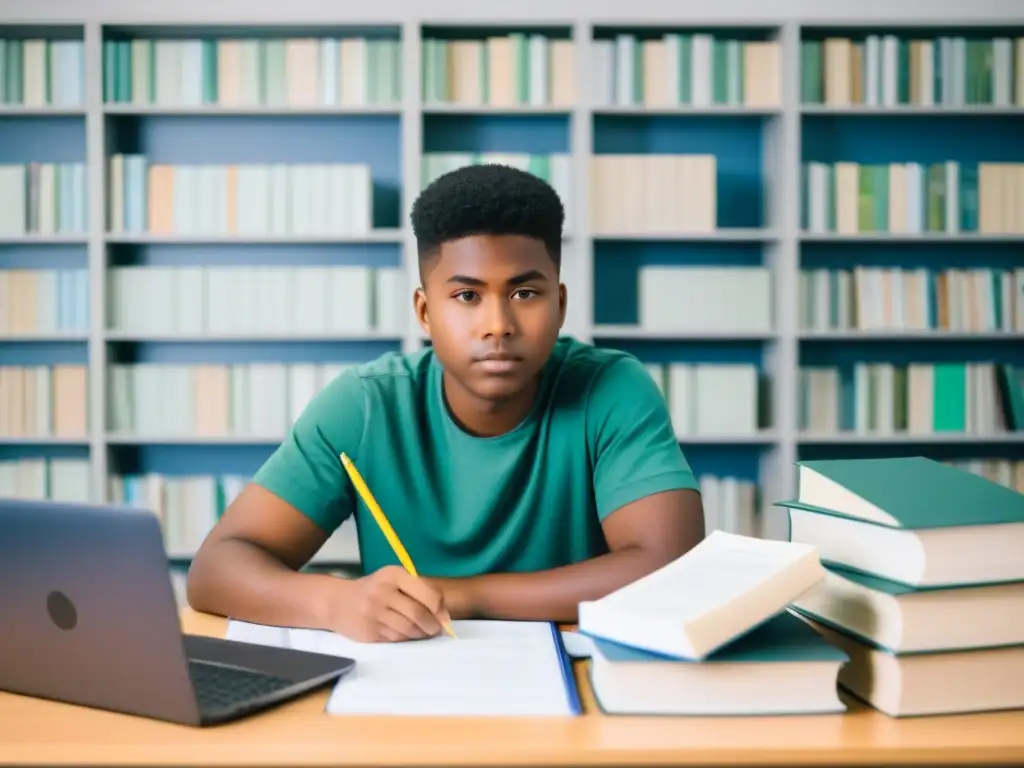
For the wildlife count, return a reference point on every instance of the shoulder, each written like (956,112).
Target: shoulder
(354,387)
(598,375)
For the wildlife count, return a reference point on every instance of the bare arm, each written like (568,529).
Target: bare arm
(247,568)
(642,537)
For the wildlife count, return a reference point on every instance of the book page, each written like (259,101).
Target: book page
(493,668)
(721,568)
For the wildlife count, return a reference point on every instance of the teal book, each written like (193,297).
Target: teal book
(912,520)
(903,620)
(781,667)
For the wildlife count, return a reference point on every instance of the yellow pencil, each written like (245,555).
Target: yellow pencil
(382,521)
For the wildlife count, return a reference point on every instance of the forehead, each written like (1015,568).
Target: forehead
(492,257)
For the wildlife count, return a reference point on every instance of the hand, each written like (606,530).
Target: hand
(389,605)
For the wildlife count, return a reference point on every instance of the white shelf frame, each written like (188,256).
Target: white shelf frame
(781,238)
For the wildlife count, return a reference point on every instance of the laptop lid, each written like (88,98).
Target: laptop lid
(88,609)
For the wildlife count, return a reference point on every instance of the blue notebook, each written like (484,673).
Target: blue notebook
(500,668)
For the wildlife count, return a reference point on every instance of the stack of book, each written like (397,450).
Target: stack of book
(924,584)
(710,634)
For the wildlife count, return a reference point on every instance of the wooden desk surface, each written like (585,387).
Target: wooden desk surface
(299,733)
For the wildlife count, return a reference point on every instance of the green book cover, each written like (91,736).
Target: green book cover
(918,493)
(783,638)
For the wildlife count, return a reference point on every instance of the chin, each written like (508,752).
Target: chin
(497,390)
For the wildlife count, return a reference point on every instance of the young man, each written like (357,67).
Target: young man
(522,471)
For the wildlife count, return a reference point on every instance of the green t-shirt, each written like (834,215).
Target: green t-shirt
(599,437)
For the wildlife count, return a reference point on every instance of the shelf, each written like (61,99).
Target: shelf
(912,237)
(912,336)
(722,235)
(634,332)
(247,338)
(197,440)
(976,110)
(950,438)
(142,238)
(220,110)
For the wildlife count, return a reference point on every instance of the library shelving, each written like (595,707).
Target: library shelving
(811,231)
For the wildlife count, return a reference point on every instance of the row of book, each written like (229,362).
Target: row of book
(234,72)
(947,197)
(554,168)
(923,588)
(919,299)
(44,401)
(519,69)
(43,198)
(44,301)
(56,479)
(913,399)
(257,199)
(1006,472)
(260,399)
(889,70)
(648,193)
(245,300)
(711,398)
(699,69)
(38,72)
(699,299)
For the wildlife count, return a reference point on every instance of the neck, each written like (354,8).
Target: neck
(487,418)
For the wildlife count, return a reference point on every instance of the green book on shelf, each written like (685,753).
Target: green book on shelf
(1011,390)
(912,520)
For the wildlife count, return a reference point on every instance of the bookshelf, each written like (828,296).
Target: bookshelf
(767,237)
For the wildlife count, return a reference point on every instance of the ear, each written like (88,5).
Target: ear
(419,303)
(563,300)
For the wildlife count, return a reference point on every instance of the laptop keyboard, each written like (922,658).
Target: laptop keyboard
(223,688)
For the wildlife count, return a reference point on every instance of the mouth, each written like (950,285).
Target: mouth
(499,362)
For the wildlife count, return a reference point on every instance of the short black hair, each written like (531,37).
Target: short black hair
(487,199)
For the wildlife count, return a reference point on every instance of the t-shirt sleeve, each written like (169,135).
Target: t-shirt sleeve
(634,446)
(306,470)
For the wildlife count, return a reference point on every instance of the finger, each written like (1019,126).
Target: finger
(416,612)
(388,635)
(402,625)
(421,592)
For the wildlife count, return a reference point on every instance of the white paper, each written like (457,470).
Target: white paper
(493,668)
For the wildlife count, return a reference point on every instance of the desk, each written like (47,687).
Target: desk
(299,733)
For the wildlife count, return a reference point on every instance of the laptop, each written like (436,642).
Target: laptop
(90,618)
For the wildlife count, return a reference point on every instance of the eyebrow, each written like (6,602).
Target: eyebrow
(525,277)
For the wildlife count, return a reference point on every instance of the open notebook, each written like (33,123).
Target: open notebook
(505,668)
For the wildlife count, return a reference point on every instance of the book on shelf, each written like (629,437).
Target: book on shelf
(43,301)
(44,401)
(554,168)
(241,300)
(39,478)
(518,69)
(42,198)
(653,194)
(711,398)
(703,299)
(229,71)
(948,197)
(924,584)
(1006,472)
(925,399)
(697,69)
(919,299)
(782,667)
(258,399)
(889,70)
(250,199)
(40,72)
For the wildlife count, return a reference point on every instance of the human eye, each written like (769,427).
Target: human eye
(525,293)
(465,295)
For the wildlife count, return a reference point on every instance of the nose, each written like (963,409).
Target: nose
(499,320)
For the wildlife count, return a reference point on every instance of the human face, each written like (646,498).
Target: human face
(493,307)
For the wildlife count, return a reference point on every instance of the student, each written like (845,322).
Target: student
(523,471)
